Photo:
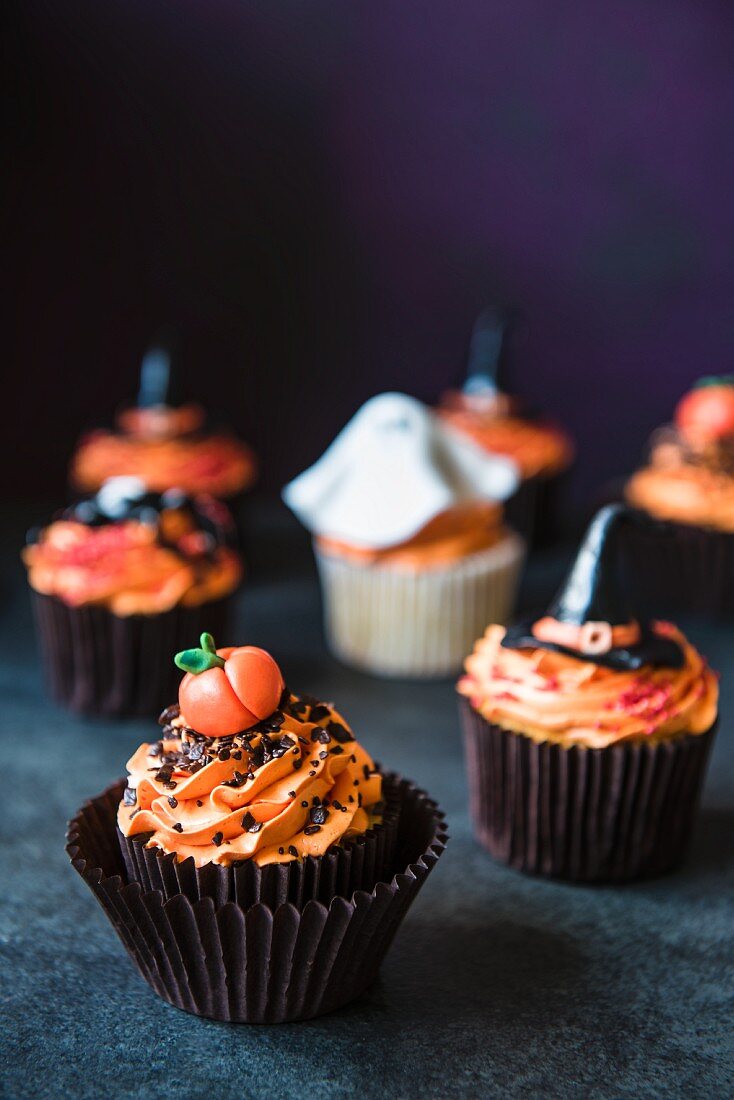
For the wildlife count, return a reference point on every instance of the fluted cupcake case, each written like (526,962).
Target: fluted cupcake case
(258,964)
(588,815)
(96,662)
(356,864)
(396,622)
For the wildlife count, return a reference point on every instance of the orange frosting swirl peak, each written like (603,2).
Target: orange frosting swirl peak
(291,786)
(550,696)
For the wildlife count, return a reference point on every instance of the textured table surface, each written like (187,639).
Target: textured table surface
(497,984)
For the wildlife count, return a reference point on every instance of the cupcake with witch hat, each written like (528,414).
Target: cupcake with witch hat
(409,538)
(164,442)
(498,423)
(587,729)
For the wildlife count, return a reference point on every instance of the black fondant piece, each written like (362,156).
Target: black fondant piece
(158,377)
(122,499)
(592,592)
(485,352)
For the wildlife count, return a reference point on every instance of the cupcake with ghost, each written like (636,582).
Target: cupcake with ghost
(164,442)
(498,422)
(689,483)
(412,551)
(256,852)
(587,729)
(120,578)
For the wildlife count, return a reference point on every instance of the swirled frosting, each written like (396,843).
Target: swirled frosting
(540,449)
(686,484)
(162,552)
(291,786)
(550,696)
(449,537)
(165,447)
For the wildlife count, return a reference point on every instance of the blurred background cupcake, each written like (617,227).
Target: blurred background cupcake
(587,730)
(412,551)
(501,425)
(163,442)
(119,581)
(688,483)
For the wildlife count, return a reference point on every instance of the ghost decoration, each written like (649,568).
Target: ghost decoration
(391,470)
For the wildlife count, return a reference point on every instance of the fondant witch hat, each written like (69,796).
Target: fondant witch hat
(591,616)
(485,353)
(158,382)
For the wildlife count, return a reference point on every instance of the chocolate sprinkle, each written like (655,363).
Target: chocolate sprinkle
(339,732)
(172,802)
(319,712)
(319,815)
(178,827)
(217,839)
(166,716)
(311,829)
(292,850)
(250,825)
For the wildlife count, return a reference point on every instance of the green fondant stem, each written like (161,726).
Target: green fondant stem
(201,659)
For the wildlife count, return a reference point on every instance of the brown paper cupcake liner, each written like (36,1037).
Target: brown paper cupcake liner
(358,864)
(675,567)
(99,663)
(588,815)
(257,964)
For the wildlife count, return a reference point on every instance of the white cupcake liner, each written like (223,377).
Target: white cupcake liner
(397,622)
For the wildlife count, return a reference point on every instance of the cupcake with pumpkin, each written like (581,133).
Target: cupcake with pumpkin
(165,443)
(410,542)
(256,861)
(587,729)
(499,423)
(688,485)
(117,580)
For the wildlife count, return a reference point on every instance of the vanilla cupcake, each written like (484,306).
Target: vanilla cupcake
(409,541)
(256,862)
(499,423)
(587,731)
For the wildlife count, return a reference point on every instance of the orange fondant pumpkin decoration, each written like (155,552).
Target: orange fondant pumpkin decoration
(707,412)
(227,690)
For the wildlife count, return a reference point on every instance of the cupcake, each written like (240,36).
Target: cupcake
(120,578)
(689,483)
(497,422)
(256,862)
(411,548)
(587,730)
(163,443)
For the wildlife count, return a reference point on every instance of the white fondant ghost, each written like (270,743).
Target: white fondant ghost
(390,471)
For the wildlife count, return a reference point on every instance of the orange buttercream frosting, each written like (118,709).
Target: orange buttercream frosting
(177,555)
(539,449)
(449,537)
(291,786)
(150,449)
(684,493)
(549,696)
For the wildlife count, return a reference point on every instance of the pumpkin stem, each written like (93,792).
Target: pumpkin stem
(201,659)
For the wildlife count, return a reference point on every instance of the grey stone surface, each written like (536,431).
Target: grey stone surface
(497,985)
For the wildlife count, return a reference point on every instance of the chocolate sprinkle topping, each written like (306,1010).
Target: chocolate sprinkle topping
(217,839)
(339,732)
(178,827)
(166,716)
(311,829)
(319,815)
(172,802)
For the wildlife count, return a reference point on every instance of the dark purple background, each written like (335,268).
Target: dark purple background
(321,196)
